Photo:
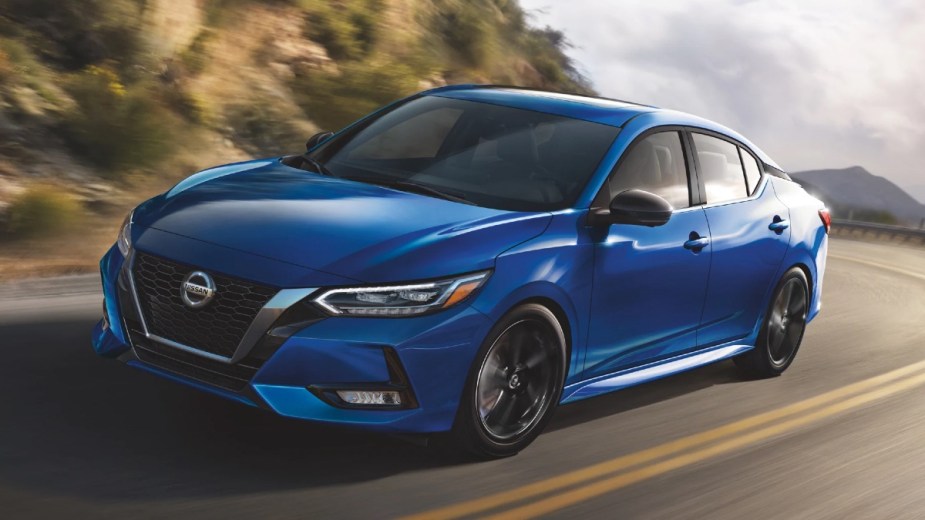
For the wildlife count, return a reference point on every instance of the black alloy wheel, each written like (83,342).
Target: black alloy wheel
(514,385)
(783,328)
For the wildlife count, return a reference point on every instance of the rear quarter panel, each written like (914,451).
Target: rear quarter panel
(808,238)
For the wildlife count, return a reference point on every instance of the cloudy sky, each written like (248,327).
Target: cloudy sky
(815,83)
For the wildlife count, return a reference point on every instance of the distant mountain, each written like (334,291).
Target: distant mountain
(917,191)
(855,192)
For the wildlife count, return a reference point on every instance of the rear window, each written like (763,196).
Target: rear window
(752,170)
(720,168)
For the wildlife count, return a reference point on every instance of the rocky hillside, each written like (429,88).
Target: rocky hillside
(104,101)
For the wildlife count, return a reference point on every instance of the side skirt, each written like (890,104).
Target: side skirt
(650,372)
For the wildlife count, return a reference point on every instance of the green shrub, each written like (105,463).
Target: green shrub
(115,126)
(7,68)
(78,33)
(262,128)
(17,61)
(188,104)
(334,100)
(465,30)
(545,48)
(876,216)
(219,12)
(41,211)
(515,19)
(196,57)
(347,29)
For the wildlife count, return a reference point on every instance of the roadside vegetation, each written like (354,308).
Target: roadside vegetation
(104,102)
(42,210)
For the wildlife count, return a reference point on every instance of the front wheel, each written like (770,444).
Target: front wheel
(782,330)
(514,384)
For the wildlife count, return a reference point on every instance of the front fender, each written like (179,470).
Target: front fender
(554,267)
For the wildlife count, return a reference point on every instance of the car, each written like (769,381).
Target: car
(464,260)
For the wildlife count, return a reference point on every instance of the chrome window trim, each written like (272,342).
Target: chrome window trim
(759,191)
(265,317)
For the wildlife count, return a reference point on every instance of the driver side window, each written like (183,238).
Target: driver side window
(655,164)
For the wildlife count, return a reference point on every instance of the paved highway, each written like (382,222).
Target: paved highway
(840,435)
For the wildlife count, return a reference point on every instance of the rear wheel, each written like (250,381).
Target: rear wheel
(783,328)
(514,384)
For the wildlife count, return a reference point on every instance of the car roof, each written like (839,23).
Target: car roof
(601,110)
(598,110)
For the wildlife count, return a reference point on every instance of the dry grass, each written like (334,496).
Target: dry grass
(78,249)
(77,252)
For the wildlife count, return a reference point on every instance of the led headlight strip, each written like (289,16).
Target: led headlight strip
(400,300)
(124,241)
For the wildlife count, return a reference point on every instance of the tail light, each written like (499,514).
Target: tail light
(826,219)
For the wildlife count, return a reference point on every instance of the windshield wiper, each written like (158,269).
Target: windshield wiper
(415,188)
(317,165)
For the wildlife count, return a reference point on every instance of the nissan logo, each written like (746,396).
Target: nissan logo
(198,289)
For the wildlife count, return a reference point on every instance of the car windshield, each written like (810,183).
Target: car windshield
(479,153)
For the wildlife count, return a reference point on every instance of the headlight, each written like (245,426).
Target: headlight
(401,300)
(125,235)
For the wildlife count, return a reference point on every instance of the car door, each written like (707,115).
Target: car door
(649,282)
(749,231)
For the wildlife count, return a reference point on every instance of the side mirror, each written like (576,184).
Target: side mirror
(635,207)
(317,139)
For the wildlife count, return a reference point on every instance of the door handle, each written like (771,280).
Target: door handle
(696,242)
(779,225)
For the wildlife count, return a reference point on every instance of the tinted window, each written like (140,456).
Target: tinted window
(417,137)
(752,170)
(490,155)
(656,164)
(720,168)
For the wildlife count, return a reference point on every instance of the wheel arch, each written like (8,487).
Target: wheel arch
(564,322)
(567,301)
(805,262)
(809,277)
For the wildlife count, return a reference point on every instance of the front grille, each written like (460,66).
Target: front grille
(223,375)
(216,328)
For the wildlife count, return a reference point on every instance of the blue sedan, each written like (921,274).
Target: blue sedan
(467,259)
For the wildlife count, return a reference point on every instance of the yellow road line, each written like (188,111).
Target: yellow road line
(608,485)
(878,265)
(602,469)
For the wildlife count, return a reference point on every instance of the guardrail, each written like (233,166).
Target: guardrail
(866,230)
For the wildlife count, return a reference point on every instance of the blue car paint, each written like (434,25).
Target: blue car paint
(640,272)
(551,269)
(231,261)
(808,241)
(110,341)
(278,226)
(746,256)
(430,347)
(355,230)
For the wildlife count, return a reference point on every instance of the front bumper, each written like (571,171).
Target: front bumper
(431,353)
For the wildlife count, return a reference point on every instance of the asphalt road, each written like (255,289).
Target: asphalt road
(82,436)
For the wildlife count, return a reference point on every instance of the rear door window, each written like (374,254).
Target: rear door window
(720,168)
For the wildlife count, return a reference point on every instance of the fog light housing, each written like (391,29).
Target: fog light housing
(370,397)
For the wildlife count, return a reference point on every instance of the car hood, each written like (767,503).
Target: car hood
(350,229)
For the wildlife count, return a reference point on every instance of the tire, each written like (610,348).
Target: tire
(782,330)
(514,385)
